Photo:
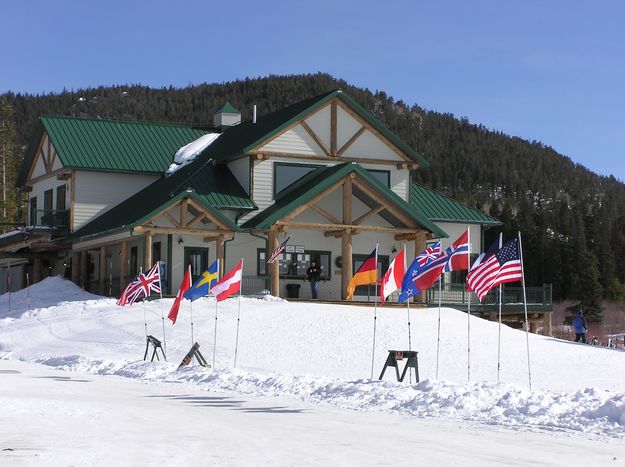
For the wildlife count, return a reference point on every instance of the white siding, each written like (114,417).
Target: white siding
(369,146)
(97,192)
(241,171)
(346,127)
(262,186)
(294,141)
(319,122)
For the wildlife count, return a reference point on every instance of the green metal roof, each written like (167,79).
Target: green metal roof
(111,145)
(214,187)
(318,180)
(441,208)
(227,108)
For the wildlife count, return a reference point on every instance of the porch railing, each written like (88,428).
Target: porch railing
(50,218)
(512,296)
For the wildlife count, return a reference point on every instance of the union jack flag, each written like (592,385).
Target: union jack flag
(141,286)
(429,254)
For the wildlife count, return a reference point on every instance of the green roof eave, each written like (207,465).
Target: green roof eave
(324,99)
(321,179)
(440,208)
(227,108)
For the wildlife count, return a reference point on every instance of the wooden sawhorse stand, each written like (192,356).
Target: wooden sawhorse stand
(194,352)
(156,344)
(394,356)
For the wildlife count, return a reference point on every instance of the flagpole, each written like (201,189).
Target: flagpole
(408,310)
(438,336)
(499,330)
(215,326)
(145,319)
(191,313)
(236,345)
(160,283)
(375,309)
(27,294)
(527,324)
(469,309)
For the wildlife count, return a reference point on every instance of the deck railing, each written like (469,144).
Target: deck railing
(511,295)
(50,218)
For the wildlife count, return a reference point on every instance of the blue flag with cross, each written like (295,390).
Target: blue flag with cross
(204,283)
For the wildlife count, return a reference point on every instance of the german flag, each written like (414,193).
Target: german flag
(366,274)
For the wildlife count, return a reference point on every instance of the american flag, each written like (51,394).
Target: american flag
(429,254)
(141,286)
(278,250)
(501,267)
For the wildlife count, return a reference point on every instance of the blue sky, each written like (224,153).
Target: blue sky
(551,71)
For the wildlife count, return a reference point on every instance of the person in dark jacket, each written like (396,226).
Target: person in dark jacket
(579,324)
(314,273)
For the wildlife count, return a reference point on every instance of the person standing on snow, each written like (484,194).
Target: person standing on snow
(579,324)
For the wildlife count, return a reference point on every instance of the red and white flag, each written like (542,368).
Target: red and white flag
(394,275)
(229,284)
(186,285)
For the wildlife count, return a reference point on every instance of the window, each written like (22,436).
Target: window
(286,174)
(47,200)
(296,264)
(133,261)
(197,257)
(60,198)
(33,211)
(156,251)
(383,176)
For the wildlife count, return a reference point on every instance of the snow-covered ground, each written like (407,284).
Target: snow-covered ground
(305,358)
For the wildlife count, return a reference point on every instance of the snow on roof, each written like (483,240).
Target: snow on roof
(186,154)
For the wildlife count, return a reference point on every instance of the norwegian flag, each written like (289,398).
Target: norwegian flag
(458,254)
(141,287)
(429,254)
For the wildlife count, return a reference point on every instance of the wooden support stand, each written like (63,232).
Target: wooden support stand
(156,344)
(394,356)
(194,353)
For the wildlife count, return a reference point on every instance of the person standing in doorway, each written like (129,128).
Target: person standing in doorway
(579,324)
(314,273)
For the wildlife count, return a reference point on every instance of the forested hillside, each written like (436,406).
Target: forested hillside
(571,219)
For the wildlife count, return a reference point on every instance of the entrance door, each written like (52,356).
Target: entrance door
(369,290)
(197,257)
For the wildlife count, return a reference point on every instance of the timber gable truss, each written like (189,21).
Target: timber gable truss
(328,133)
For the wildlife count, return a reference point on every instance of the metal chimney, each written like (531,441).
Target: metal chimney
(254,113)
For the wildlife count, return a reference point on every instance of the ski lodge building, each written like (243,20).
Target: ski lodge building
(323,171)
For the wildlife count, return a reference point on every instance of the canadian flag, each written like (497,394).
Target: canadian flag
(394,275)
(186,285)
(229,284)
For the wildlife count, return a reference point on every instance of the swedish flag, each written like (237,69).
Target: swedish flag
(204,283)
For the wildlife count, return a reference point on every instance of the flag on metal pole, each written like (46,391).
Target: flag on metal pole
(394,275)
(184,286)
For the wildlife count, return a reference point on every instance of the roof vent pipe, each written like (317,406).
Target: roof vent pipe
(254,113)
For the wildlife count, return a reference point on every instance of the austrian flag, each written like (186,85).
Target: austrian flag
(229,284)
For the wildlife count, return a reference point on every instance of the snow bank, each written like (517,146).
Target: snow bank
(188,153)
(589,411)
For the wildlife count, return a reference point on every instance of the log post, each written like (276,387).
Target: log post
(346,238)
(75,267)
(274,268)
(102,271)
(84,271)
(123,259)
(148,251)
(419,246)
